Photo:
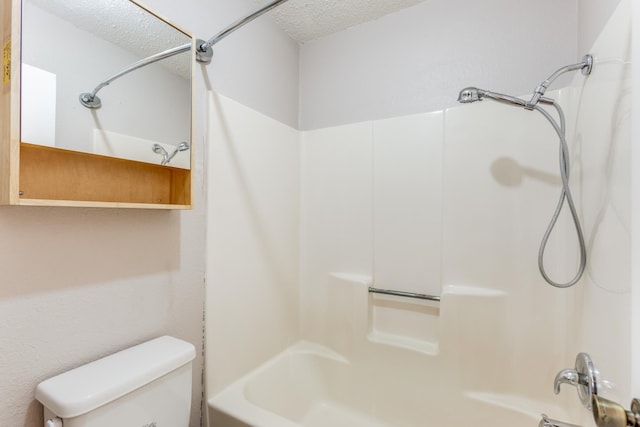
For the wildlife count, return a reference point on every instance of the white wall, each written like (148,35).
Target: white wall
(592,16)
(81,283)
(419,58)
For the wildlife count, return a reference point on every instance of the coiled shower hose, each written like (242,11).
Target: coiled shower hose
(565,195)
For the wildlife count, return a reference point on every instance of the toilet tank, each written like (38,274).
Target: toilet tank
(148,385)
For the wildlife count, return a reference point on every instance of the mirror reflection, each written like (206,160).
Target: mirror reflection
(71,47)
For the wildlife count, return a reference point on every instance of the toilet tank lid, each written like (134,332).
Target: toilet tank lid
(95,384)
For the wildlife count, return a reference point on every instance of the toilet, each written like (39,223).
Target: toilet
(148,385)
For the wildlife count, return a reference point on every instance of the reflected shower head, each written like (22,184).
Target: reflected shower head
(159,149)
(166,157)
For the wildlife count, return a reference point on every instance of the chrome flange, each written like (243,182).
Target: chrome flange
(588,379)
(588,64)
(90,101)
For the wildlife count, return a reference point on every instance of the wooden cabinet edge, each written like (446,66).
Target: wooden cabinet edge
(10,101)
(110,205)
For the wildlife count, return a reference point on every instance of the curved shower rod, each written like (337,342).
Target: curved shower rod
(91,100)
(204,53)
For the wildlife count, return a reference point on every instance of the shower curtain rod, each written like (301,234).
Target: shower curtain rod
(91,100)
(204,53)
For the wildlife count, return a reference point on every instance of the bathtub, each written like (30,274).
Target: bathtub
(311,385)
(386,361)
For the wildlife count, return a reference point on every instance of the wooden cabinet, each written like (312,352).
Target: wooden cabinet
(50,176)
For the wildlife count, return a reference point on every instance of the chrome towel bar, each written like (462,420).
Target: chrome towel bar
(404,294)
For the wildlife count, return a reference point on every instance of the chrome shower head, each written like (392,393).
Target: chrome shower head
(470,94)
(473,94)
(159,149)
(183,146)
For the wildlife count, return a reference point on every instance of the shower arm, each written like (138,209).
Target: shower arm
(204,53)
(91,100)
(586,65)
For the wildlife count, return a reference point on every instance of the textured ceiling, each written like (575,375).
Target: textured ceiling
(306,20)
(122,22)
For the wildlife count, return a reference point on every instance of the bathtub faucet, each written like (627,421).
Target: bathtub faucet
(548,422)
(569,376)
(584,378)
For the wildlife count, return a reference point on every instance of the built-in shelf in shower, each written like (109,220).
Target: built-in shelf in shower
(408,323)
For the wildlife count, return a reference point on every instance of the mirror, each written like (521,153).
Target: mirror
(70,47)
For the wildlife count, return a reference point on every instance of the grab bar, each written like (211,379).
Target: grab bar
(548,422)
(404,294)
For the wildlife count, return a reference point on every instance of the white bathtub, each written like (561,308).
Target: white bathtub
(310,385)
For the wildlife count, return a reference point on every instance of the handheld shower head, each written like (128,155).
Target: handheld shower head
(470,94)
(183,146)
(473,94)
(166,157)
(159,149)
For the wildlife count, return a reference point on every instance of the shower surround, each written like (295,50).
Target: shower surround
(453,203)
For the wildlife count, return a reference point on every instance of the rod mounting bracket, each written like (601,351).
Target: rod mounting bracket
(90,101)
(588,64)
(203,56)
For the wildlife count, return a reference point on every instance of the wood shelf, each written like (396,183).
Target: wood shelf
(54,174)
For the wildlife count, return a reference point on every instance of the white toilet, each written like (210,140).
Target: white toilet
(148,385)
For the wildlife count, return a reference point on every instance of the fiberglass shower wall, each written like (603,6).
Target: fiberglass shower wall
(602,142)
(433,203)
(499,187)
(252,240)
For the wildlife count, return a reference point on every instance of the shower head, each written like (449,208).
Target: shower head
(473,94)
(469,95)
(183,146)
(159,149)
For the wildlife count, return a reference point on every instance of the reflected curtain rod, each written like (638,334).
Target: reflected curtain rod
(204,53)
(91,100)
